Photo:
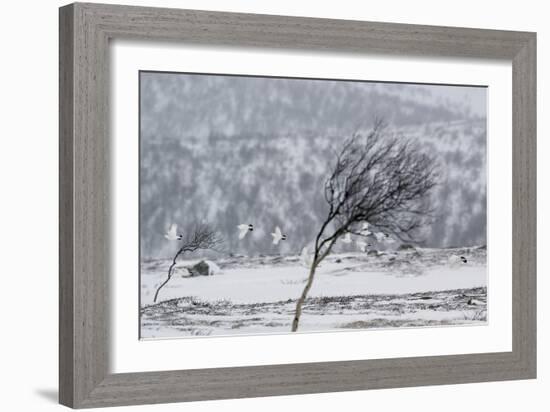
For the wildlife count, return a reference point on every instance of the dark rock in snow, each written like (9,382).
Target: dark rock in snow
(200,269)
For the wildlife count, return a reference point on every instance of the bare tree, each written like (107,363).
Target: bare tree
(202,236)
(378,178)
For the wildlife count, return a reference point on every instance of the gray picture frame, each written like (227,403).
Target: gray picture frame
(85,32)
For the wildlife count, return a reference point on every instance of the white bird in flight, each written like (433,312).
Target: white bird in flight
(244,229)
(278,236)
(455,260)
(172,233)
(347,238)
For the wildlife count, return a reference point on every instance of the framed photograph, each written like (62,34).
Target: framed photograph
(256,205)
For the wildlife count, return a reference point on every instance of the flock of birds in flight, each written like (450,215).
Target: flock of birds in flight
(173,235)
(278,235)
(245,228)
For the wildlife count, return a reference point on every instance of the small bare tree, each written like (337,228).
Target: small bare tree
(202,236)
(378,178)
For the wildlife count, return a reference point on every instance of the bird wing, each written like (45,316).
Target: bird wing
(277,235)
(243,230)
(173,229)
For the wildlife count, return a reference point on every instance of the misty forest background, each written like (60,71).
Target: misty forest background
(228,150)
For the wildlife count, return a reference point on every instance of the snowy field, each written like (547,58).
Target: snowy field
(254,295)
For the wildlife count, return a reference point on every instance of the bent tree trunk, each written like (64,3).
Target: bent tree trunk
(303,297)
(169,274)
(318,257)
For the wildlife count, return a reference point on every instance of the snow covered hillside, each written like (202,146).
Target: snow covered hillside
(235,149)
(251,295)
(265,180)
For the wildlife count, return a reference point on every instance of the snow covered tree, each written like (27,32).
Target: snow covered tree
(201,236)
(379,178)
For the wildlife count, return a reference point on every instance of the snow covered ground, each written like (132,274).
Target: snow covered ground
(252,295)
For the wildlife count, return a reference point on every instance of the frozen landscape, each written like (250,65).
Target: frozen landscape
(383,185)
(406,288)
